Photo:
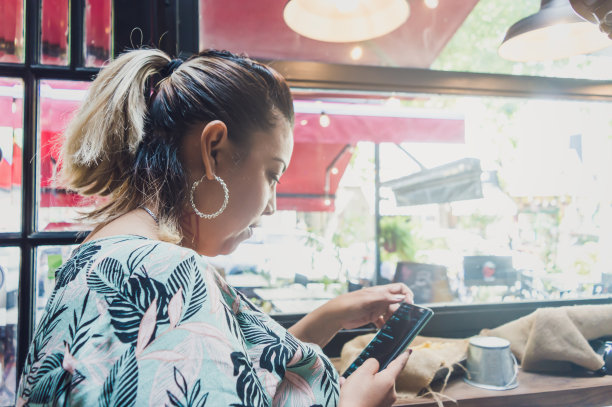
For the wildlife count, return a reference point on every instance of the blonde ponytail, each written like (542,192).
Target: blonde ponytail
(101,140)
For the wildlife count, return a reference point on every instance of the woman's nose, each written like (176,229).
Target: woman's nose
(271,206)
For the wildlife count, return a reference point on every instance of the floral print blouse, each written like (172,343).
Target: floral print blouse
(136,322)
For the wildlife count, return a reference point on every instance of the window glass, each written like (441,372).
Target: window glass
(454,36)
(97,32)
(48,260)
(58,209)
(11,143)
(55,26)
(9,282)
(482,200)
(11,31)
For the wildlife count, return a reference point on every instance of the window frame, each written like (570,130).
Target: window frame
(160,16)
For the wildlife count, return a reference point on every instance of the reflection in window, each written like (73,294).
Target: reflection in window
(454,36)
(11,143)
(48,260)
(97,32)
(482,200)
(54,32)
(11,31)
(9,282)
(58,209)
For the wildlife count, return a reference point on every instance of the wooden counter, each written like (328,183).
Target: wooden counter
(577,390)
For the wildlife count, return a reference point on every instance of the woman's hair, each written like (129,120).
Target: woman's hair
(125,139)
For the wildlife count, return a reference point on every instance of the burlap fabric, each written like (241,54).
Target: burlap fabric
(431,358)
(557,338)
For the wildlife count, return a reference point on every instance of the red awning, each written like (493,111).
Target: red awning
(312,179)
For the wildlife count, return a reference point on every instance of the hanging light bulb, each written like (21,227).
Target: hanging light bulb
(324,120)
(334,170)
(554,32)
(345,20)
(356,53)
(431,3)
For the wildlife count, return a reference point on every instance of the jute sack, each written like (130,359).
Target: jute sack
(557,338)
(431,358)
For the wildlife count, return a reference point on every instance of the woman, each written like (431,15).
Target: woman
(188,155)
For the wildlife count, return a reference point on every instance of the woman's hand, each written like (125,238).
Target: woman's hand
(367,387)
(351,310)
(369,305)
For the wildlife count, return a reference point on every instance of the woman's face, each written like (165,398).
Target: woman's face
(251,178)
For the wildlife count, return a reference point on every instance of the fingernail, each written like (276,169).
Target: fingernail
(409,352)
(399,297)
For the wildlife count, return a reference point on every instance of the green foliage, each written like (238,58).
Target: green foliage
(397,238)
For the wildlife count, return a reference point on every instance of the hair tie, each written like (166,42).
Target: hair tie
(171,67)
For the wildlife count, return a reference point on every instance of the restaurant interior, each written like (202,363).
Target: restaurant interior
(463,148)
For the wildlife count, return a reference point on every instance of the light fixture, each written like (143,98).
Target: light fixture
(345,20)
(324,120)
(356,53)
(431,3)
(554,32)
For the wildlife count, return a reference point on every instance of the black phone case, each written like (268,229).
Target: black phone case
(394,337)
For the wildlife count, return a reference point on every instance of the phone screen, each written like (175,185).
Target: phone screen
(394,337)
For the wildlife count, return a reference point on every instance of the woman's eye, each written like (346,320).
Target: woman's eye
(275,178)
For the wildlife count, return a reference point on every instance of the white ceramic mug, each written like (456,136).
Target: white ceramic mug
(491,364)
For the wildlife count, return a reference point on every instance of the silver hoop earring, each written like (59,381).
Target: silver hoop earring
(225,198)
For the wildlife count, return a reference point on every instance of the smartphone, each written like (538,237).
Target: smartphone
(394,337)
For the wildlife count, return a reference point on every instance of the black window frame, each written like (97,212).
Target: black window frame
(176,21)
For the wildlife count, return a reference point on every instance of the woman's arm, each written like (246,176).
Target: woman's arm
(351,310)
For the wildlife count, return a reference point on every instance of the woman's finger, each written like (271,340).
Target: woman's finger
(394,368)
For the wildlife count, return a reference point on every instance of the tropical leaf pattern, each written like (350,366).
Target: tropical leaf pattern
(124,339)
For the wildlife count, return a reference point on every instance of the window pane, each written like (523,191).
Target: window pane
(9,281)
(11,31)
(97,32)
(48,260)
(58,209)
(11,142)
(455,36)
(54,32)
(482,200)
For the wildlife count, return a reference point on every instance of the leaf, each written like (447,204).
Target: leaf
(79,261)
(175,307)
(138,255)
(107,278)
(248,387)
(188,276)
(49,379)
(147,327)
(121,385)
(128,307)
(255,331)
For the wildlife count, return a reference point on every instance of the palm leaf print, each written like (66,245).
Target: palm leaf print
(107,278)
(329,382)
(121,385)
(188,277)
(138,255)
(79,261)
(248,387)
(275,354)
(128,307)
(189,398)
(51,379)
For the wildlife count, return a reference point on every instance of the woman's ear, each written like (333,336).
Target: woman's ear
(213,138)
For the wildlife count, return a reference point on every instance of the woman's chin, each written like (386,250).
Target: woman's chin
(233,243)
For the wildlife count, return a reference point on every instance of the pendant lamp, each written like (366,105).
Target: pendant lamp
(554,32)
(345,20)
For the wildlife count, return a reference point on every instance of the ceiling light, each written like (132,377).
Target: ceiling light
(356,53)
(345,20)
(554,32)
(431,3)
(324,120)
